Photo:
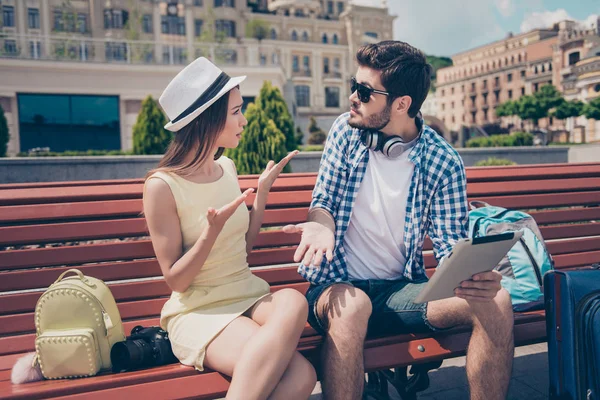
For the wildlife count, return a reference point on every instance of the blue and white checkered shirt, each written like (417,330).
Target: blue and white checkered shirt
(437,200)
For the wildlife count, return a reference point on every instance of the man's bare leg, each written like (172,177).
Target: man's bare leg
(345,310)
(491,349)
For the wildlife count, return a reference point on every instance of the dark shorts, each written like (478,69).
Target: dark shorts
(393,309)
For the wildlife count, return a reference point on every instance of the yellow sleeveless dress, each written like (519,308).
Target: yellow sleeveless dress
(225,287)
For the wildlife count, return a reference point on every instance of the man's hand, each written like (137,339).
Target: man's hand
(316,240)
(480,288)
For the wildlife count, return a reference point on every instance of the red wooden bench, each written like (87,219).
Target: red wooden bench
(96,226)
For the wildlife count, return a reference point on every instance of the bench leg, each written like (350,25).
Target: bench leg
(376,387)
(408,387)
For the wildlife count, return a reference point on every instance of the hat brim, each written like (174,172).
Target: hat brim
(233,82)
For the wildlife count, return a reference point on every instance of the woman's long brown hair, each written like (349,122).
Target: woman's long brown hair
(199,136)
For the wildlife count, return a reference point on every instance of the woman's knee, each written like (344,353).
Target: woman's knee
(291,304)
(304,376)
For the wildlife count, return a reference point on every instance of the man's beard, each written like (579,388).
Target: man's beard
(375,122)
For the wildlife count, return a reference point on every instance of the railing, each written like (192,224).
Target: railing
(302,72)
(110,50)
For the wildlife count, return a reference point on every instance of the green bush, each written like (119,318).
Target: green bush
(493,161)
(312,147)
(316,134)
(271,101)
(522,138)
(514,139)
(149,136)
(4,135)
(261,142)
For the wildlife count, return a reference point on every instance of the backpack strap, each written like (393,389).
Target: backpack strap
(478,204)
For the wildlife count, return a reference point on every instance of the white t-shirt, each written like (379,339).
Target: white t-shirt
(374,241)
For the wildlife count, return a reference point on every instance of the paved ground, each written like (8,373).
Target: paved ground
(529,380)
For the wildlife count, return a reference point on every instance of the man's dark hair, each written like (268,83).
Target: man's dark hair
(404,70)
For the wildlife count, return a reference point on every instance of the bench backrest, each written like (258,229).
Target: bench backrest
(96,227)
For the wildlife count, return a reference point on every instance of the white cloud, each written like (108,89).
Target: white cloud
(505,7)
(546,19)
(445,28)
(543,19)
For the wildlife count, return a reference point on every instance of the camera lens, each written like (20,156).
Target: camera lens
(130,355)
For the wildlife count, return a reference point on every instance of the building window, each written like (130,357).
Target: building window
(452,90)
(229,56)
(198,3)
(340,6)
(295,64)
(509,77)
(510,94)
(273,34)
(82,23)
(10,47)
(452,105)
(294,36)
(523,74)
(536,86)
(335,39)
(443,92)
(63,122)
(336,65)
(225,3)
(198,27)
(373,35)
(306,63)
(226,26)
(324,38)
(8,16)
(172,25)
(523,91)
(33,17)
(178,54)
(326,65)
(35,49)
(116,51)
(302,96)
(574,58)
(115,19)
(147,23)
(305,36)
(330,7)
(332,97)
(443,106)
(543,68)
(550,67)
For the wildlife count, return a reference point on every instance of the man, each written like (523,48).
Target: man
(385,182)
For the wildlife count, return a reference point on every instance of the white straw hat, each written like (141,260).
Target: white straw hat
(193,90)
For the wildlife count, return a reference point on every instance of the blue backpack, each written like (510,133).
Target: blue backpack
(524,266)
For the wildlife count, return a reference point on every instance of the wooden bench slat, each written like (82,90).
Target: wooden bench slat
(532,186)
(537,201)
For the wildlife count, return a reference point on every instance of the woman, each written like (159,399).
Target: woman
(219,315)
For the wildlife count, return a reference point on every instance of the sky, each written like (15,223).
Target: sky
(447,27)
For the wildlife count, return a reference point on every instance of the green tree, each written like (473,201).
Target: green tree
(507,109)
(257,29)
(592,109)
(271,101)
(437,63)
(316,134)
(149,136)
(566,110)
(4,135)
(261,142)
(530,108)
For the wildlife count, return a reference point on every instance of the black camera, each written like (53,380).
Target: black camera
(145,348)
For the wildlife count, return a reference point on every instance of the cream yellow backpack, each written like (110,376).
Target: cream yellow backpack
(77,322)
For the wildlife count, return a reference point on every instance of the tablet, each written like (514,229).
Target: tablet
(467,258)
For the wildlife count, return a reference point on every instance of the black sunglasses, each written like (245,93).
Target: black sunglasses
(364,92)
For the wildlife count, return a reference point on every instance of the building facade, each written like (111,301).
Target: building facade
(73,73)
(480,79)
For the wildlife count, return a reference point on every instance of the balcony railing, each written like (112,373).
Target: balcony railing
(116,51)
(302,72)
